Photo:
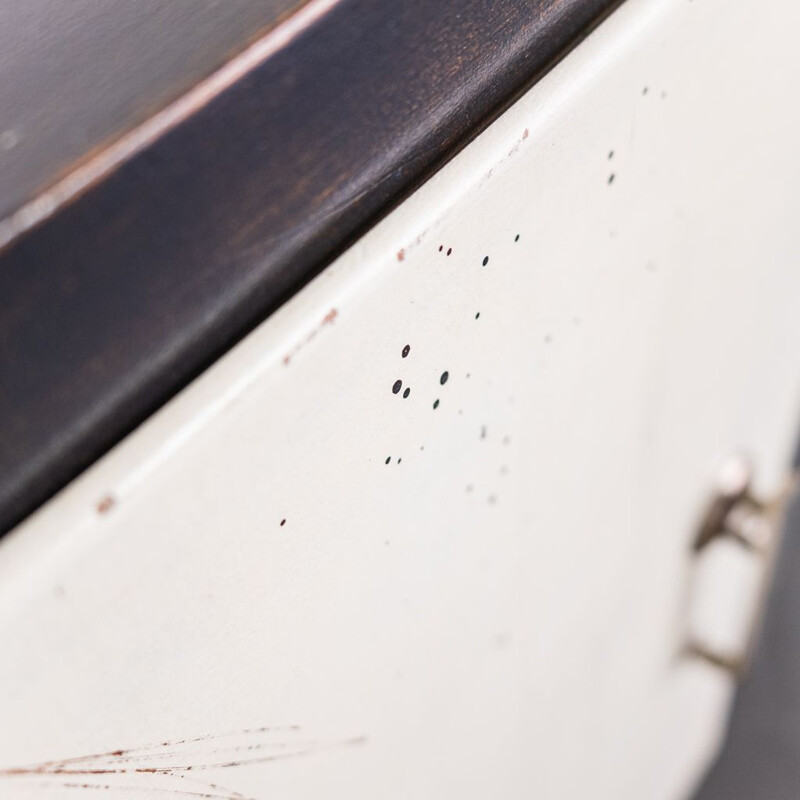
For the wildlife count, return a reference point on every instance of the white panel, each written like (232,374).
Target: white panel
(498,611)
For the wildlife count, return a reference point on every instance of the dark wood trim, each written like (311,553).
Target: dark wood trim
(77,75)
(116,302)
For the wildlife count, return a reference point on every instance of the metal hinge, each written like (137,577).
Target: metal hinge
(733,552)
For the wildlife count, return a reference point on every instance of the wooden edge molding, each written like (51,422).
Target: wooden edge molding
(139,276)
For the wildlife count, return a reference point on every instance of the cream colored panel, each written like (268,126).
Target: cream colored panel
(608,278)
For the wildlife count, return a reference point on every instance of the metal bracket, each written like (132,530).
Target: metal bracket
(736,514)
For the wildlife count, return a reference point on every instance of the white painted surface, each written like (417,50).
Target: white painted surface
(498,615)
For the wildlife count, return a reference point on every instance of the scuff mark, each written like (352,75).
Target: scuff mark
(161,767)
(512,152)
(328,319)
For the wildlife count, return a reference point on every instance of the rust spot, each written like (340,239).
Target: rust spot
(401,254)
(330,316)
(105,504)
(525,134)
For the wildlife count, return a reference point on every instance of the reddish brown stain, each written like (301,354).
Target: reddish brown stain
(525,134)
(106,504)
(401,254)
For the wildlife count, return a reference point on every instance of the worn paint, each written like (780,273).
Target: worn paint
(473,576)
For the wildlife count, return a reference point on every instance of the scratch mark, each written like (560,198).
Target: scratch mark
(328,319)
(150,790)
(122,756)
(511,153)
(224,751)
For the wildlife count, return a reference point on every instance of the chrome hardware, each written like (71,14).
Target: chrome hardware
(735,515)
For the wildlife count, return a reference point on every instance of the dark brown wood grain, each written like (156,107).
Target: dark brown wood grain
(76,75)
(117,301)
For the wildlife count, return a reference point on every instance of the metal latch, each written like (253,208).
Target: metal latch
(733,553)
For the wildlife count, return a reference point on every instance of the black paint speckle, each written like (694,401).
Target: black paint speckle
(485,260)
(611,178)
(483,431)
(610,154)
(388,459)
(406,351)
(645,90)
(436,404)
(406,393)
(478,315)
(516,238)
(399,460)
(398,385)
(445,376)
(449,250)
(283,522)
(441,247)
